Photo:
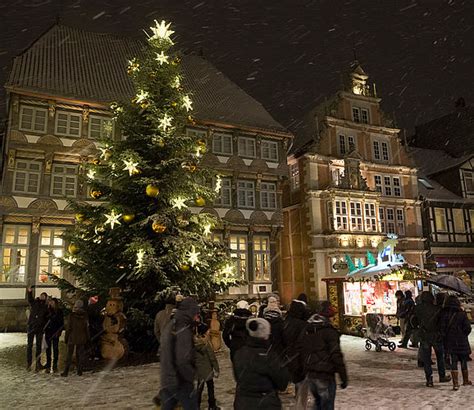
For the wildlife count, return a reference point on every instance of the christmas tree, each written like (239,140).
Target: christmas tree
(140,234)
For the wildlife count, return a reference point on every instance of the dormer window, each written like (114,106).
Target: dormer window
(468,178)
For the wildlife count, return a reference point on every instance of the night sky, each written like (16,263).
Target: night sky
(289,54)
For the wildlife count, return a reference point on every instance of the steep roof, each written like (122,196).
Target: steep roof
(453,132)
(70,62)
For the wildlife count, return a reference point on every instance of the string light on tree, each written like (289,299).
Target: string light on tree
(161,31)
(165,122)
(131,167)
(179,202)
(193,256)
(187,103)
(113,219)
(140,258)
(218,186)
(162,58)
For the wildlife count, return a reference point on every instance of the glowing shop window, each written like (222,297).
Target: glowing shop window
(352,299)
(379,297)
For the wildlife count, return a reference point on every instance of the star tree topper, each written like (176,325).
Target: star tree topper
(113,219)
(161,30)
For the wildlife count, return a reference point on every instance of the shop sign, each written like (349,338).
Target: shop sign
(339,266)
(454,262)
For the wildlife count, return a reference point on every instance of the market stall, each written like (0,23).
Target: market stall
(371,289)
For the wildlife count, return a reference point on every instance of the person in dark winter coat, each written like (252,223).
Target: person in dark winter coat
(96,320)
(178,358)
(427,315)
(77,336)
(258,371)
(235,333)
(35,329)
(321,357)
(455,328)
(400,299)
(273,315)
(207,367)
(406,313)
(293,325)
(53,330)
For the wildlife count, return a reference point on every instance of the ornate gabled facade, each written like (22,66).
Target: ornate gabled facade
(59,91)
(351,183)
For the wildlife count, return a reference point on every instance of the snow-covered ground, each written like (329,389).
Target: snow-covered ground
(378,380)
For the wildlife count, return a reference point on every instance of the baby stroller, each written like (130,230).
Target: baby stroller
(377,333)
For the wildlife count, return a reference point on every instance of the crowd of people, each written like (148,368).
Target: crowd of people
(267,351)
(436,324)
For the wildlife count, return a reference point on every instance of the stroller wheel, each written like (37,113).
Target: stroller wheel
(368,345)
(378,348)
(392,346)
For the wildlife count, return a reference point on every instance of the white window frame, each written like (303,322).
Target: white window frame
(381,150)
(225,193)
(49,252)
(294,176)
(465,176)
(268,195)
(400,217)
(356,114)
(239,253)
(219,143)
(64,176)
(389,185)
(247,142)
(345,143)
(28,173)
(245,194)
(341,215)
(261,258)
(357,223)
(442,213)
(365,120)
(18,251)
(34,116)
(370,217)
(382,221)
(68,115)
(271,147)
(390,220)
(103,125)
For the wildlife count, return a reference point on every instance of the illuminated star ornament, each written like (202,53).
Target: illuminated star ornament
(227,270)
(113,219)
(193,256)
(161,31)
(142,96)
(187,103)
(165,122)
(218,184)
(91,173)
(131,167)
(179,202)
(176,82)
(104,152)
(207,229)
(162,58)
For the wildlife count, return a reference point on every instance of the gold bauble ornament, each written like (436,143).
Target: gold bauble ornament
(73,248)
(152,190)
(202,143)
(200,201)
(127,218)
(158,227)
(96,194)
(96,161)
(79,217)
(184,267)
(174,104)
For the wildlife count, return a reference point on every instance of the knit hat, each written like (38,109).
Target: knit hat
(242,304)
(78,304)
(327,310)
(258,328)
(302,298)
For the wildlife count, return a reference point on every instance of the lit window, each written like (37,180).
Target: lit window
(246,194)
(440,220)
(225,194)
(261,257)
(269,150)
(27,177)
(356,216)
(64,180)
(68,124)
(51,248)
(294,176)
(246,147)
(33,119)
(100,127)
(340,216)
(238,252)
(14,254)
(222,143)
(458,220)
(268,195)
(370,218)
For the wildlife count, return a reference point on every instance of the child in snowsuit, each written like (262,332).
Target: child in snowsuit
(207,366)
